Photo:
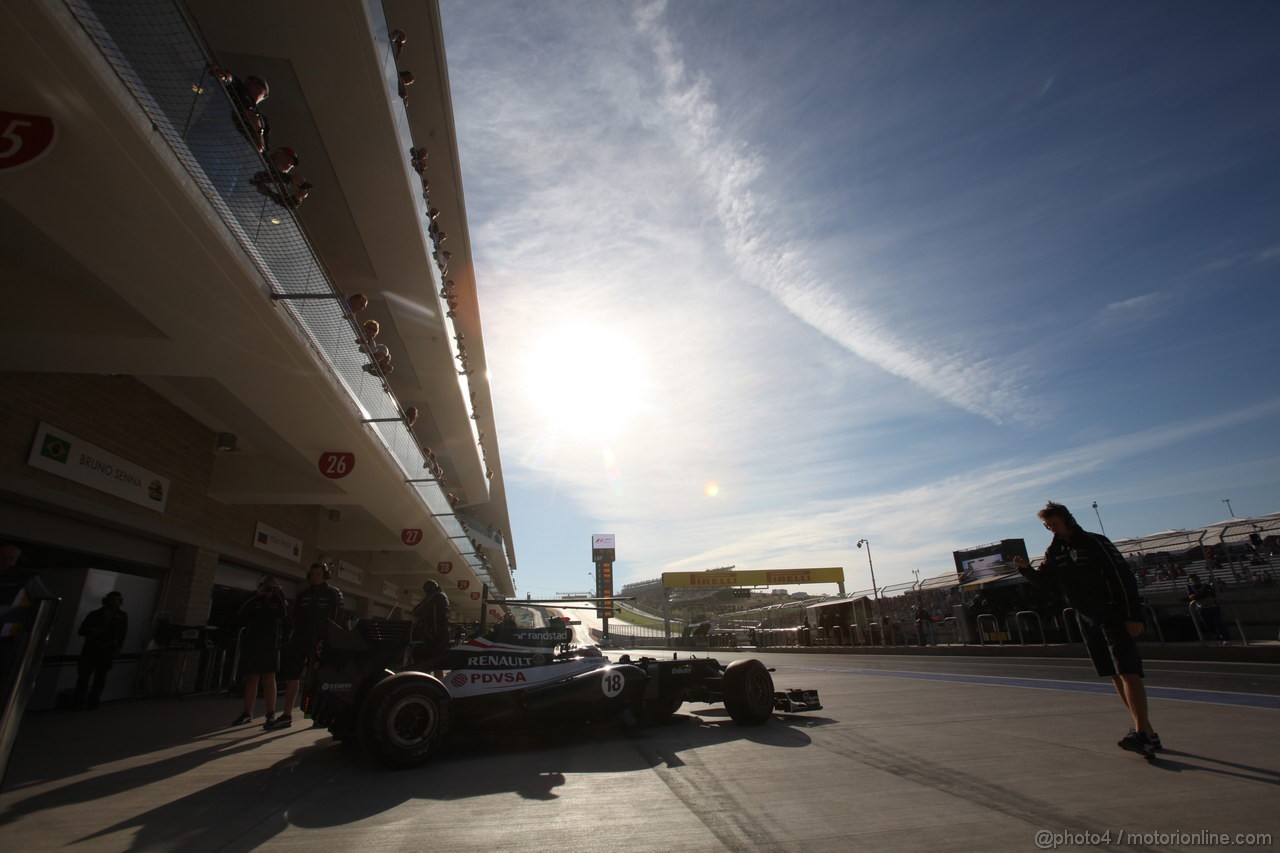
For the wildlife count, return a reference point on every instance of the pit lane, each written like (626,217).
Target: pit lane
(893,762)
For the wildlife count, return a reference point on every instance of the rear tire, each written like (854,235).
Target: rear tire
(406,723)
(748,692)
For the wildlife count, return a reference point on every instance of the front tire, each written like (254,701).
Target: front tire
(748,692)
(660,711)
(406,723)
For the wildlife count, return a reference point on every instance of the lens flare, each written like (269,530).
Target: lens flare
(712,489)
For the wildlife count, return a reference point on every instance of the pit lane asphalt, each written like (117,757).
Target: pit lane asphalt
(907,754)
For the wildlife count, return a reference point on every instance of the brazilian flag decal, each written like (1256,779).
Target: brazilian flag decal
(55,448)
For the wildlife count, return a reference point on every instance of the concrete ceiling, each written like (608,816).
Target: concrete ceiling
(128,270)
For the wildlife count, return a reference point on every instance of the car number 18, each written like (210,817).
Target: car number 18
(612,683)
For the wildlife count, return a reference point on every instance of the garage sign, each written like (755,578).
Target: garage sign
(336,465)
(24,139)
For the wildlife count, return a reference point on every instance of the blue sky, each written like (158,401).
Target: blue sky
(761,279)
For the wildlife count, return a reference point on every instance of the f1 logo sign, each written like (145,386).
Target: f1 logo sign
(444,567)
(335,465)
(463,584)
(24,138)
(411,535)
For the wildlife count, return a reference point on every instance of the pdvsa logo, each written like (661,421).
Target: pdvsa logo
(497,678)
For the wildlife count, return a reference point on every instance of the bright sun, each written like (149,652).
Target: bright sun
(586,380)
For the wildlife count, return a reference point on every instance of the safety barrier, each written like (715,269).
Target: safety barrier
(1017,623)
(1155,619)
(1198,621)
(1070,618)
(952,628)
(995,627)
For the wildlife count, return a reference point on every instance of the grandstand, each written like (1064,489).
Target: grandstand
(1238,555)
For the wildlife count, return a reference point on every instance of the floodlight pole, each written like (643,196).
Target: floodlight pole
(874,589)
(1227,501)
(1099,515)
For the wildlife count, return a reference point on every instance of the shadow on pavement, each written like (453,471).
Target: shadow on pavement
(1241,771)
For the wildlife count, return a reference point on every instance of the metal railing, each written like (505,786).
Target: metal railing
(157,53)
(995,627)
(1029,615)
(1069,618)
(20,658)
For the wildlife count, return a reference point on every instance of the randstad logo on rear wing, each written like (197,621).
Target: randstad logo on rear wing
(551,637)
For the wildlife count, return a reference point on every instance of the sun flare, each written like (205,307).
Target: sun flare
(586,380)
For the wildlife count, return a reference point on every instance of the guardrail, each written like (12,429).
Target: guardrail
(1197,620)
(995,627)
(1029,615)
(1071,617)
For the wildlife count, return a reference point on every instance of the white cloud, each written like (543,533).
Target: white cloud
(1136,309)
(922,524)
(765,254)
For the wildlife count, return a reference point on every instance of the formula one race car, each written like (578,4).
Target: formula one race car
(514,680)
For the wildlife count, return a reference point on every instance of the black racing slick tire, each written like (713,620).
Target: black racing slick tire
(405,722)
(748,692)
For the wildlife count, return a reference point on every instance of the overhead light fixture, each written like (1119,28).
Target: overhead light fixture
(226,442)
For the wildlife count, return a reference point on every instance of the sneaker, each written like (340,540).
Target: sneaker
(1153,739)
(241,720)
(271,716)
(281,722)
(1137,742)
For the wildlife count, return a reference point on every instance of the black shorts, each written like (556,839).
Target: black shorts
(259,658)
(293,659)
(1111,649)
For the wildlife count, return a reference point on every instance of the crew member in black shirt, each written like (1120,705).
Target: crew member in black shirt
(314,607)
(1097,581)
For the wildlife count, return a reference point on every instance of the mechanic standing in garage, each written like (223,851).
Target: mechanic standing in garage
(431,626)
(1097,581)
(312,610)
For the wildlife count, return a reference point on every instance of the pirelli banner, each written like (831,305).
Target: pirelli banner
(750,577)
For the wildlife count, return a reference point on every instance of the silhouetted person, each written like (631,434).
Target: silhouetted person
(314,607)
(264,618)
(104,631)
(431,625)
(1098,583)
(1205,597)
